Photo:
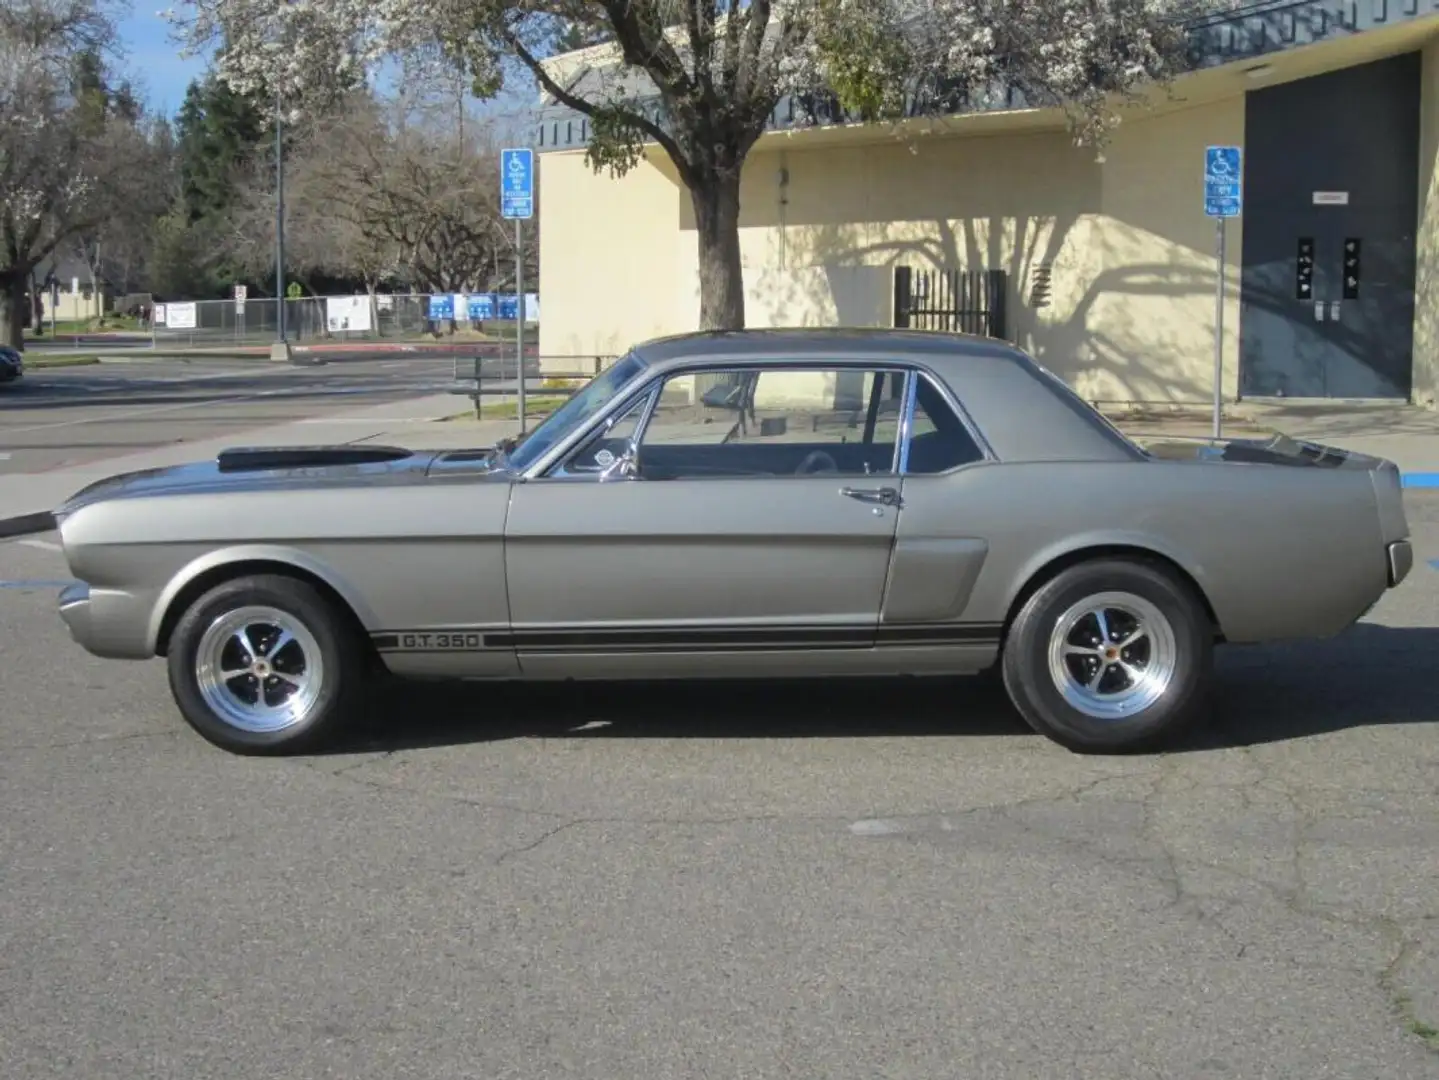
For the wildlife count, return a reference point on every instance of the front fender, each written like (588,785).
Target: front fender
(275,554)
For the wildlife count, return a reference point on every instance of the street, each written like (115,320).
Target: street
(60,417)
(834,880)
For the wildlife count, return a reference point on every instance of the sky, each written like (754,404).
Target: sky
(162,74)
(154,60)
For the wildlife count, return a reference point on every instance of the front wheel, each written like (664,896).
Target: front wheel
(264,665)
(1110,655)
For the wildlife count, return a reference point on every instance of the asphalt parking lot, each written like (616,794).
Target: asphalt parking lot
(872,880)
(59,417)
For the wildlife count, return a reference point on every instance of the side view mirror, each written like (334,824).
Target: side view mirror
(624,467)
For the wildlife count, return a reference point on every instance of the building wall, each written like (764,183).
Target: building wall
(73,306)
(607,267)
(1426,286)
(1131,310)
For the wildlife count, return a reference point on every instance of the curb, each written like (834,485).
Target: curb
(26,524)
(1419,480)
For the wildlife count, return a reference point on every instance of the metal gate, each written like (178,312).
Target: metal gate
(959,301)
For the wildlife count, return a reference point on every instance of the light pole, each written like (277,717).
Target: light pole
(279,218)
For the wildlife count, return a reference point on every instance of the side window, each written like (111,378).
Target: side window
(610,442)
(938,439)
(773,422)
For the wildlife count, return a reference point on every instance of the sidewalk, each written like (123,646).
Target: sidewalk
(1406,435)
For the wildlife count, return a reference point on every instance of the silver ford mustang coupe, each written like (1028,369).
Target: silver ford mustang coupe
(785,503)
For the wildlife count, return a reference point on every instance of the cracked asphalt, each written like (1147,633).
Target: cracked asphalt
(857,880)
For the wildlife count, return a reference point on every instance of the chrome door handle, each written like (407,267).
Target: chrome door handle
(887,495)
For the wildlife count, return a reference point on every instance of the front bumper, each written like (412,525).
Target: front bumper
(76,611)
(1401,561)
(106,622)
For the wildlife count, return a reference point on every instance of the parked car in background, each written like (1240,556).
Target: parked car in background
(808,503)
(12,364)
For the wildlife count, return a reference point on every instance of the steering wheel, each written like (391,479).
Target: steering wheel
(818,458)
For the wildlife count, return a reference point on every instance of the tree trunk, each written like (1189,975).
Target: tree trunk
(12,309)
(716,205)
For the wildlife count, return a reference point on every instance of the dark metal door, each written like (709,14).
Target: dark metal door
(1327,294)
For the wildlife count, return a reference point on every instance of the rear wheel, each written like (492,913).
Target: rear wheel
(265,665)
(1110,655)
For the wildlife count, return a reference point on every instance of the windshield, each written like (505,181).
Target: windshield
(595,395)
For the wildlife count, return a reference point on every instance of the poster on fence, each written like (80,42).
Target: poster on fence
(347,313)
(180,316)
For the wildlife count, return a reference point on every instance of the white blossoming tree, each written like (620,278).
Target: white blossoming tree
(64,166)
(716,68)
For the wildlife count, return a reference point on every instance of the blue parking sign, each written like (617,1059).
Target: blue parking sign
(1223,181)
(517,183)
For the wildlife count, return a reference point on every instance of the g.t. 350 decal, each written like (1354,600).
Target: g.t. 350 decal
(431,641)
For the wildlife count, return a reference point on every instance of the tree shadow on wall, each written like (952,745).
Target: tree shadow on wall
(1103,339)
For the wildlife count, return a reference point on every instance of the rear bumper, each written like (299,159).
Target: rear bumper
(1401,561)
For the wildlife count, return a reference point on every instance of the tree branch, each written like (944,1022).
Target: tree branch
(580,105)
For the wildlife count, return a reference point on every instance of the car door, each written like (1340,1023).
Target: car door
(754,536)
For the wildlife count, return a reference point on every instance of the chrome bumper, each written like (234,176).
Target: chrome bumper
(75,610)
(1401,561)
(108,622)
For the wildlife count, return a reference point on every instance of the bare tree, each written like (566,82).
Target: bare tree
(700,79)
(64,170)
(380,188)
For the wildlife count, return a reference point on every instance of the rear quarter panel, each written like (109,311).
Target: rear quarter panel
(422,557)
(1279,552)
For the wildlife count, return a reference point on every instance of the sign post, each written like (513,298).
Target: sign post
(517,201)
(241,292)
(1223,199)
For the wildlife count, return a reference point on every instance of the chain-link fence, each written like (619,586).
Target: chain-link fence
(317,318)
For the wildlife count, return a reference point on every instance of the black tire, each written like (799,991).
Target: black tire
(324,629)
(1189,640)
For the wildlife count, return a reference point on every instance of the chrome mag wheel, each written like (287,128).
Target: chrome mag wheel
(1113,655)
(259,669)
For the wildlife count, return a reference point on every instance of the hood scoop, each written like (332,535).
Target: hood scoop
(254,459)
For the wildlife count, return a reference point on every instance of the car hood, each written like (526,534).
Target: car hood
(291,468)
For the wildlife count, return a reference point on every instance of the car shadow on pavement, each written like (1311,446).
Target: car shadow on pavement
(1369,676)
(405,715)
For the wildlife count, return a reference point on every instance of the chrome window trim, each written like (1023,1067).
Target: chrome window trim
(607,422)
(624,397)
(906,424)
(714,365)
(987,454)
(647,379)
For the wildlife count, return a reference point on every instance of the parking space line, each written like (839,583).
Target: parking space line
(43,545)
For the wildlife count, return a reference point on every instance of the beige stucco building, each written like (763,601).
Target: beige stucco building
(1109,258)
